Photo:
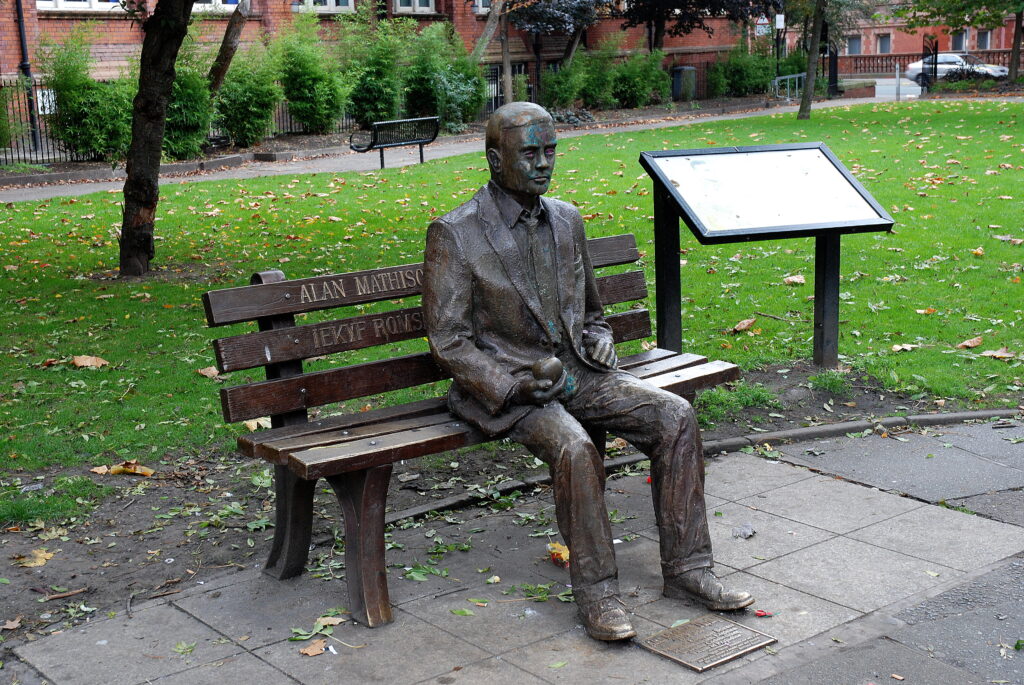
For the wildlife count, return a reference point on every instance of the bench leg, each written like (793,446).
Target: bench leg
(362,495)
(294,525)
(421,153)
(381,150)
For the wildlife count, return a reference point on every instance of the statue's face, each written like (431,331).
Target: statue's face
(527,158)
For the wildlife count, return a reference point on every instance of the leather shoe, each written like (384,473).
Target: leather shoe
(606,620)
(702,585)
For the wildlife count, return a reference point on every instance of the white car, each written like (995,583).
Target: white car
(948,61)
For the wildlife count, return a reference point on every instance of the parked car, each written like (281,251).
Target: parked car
(949,61)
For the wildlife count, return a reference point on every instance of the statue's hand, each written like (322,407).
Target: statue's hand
(539,392)
(602,352)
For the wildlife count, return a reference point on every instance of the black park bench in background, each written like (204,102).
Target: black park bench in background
(355,452)
(394,133)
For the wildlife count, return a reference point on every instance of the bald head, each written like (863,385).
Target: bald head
(521,150)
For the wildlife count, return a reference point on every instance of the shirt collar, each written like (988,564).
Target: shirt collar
(509,208)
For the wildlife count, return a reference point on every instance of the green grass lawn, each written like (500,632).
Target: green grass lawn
(951,174)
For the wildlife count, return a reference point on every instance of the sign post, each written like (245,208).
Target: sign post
(764,192)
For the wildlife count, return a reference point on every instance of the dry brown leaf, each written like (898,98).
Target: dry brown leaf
(967,344)
(86,361)
(928,310)
(743,325)
(978,251)
(905,347)
(35,558)
(796,279)
(331,620)
(131,468)
(209,372)
(315,648)
(13,624)
(101,470)
(1001,353)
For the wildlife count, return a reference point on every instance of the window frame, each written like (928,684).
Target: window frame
(887,37)
(860,45)
(958,36)
(80,6)
(987,33)
(415,8)
(308,6)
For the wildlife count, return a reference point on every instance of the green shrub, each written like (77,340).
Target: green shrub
(442,81)
(188,115)
(248,98)
(718,82)
(640,80)
(560,89)
(91,119)
(521,88)
(793,63)
(376,93)
(597,69)
(742,74)
(8,128)
(314,93)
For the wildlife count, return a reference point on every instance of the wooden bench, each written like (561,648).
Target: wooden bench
(382,134)
(355,451)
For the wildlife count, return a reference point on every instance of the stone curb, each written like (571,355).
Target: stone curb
(227,161)
(715,447)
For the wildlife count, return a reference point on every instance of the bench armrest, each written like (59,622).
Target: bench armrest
(361,141)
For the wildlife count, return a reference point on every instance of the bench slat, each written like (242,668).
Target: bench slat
(250,350)
(679,361)
(688,381)
(645,357)
(248,303)
(248,442)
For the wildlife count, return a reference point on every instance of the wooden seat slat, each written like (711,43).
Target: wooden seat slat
(248,443)
(679,361)
(251,302)
(645,357)
(250,350)
(688,381)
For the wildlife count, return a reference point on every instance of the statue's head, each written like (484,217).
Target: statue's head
(521,149)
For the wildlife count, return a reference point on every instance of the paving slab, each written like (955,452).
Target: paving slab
(872,663)
(831,504)
(244,668)
(740,475)
(1006,506)
(140,648)
(774,535)
(495,671)
(945,536)
(1001,445)
(926,466)
(854,574)
(406,651)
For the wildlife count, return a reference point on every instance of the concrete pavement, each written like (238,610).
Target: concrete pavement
(865,580)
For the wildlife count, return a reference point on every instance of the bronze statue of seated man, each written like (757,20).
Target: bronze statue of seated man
(513,313)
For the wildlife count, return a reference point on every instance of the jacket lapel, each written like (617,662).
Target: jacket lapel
(564,260)
(504,245)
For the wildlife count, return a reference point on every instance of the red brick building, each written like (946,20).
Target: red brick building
(118,41)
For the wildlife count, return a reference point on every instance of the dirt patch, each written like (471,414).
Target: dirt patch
(205,514)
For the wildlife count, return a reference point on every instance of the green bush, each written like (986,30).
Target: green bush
(376,93)
(521,88)
(560,89)
(742,74)
(596,73)
(314,93)
(442,81)
(640,80)
(7,132)
(188,115)
(248,98)
(91,119)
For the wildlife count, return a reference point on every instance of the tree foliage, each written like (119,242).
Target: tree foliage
(680,17)
(555,16)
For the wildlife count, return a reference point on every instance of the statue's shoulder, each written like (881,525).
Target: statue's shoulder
(562,209)
(466,213)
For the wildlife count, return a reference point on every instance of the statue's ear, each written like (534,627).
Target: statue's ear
(494,160)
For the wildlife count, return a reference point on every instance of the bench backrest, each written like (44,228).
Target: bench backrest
(281,346)
(404,131)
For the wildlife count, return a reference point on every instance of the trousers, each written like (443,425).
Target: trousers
(662,426)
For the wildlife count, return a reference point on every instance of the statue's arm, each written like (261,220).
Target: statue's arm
(448,315)
(597,334)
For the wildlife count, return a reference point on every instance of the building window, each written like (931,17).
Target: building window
(884,46)
(322,6)
(482,6)
(984,40)
(414,6)
(853,45)
(84,5)
(214,6)
(958,41)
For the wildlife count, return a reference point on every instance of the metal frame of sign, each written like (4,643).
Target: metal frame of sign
(707,236)
(670,207)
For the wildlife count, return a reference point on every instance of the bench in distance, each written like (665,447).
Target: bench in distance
(382,134)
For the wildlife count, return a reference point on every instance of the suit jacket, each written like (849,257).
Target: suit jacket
(484,319)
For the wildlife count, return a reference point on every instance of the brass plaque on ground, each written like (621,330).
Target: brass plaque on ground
(706,642)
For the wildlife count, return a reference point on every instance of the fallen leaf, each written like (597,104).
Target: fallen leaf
(493,579)
(462,612)
(929,310)
(35,558)
(761,613)
(315,648)
(331,620)
(978,251)
(966,344)
(558,664)
(101,470)
(796,279)
(209,372)
(743,325)
(85,361)
(559,554)
(896,676)
(131,468)
(13,624)
(1001,353)
(905,347)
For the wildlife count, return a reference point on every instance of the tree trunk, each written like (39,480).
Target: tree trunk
(571,47)
(506,62)
(812,61)
(1018,34)
(490,26)
(165,29)
(539,66)
(228,46)
(658,38)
